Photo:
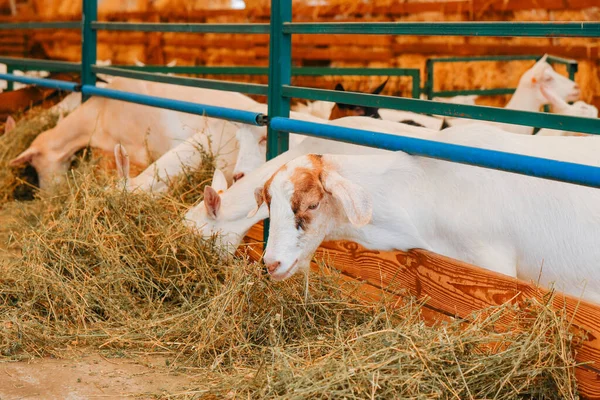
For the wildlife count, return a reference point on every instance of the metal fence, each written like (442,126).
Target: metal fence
(280,91)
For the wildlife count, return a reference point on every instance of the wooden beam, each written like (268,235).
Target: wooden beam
(454,288)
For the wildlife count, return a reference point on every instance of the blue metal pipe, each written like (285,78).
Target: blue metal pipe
(245,117)
(525,165)
(49,83)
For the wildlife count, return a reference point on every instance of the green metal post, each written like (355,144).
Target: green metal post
(416,85)
(280,73)
(10,86)
(88,43)
(429,82)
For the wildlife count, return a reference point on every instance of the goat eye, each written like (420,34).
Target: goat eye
(313,206)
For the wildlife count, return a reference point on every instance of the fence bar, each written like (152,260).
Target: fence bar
(181,27)
(518,57)
(527,118)
(249,88)
(280,73)
(89,44)
(27,64)
(480,92)
(496,29)
(10,85)
(245,117)
(40,25)
(250,70)
(525,165)
(49,83)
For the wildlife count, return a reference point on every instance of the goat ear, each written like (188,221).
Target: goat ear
(212,201)
(539,68)
(355,200)
(339,87)
(380,88)
(172,63)
(260,199)
(10,124)
(139,63)
(25,157)
(219,183)
(122,161)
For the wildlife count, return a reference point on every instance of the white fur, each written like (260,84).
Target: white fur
(238,201)
(146,132)
(508,223)
(322,109)
(559,106)
(528,95)
(253,146)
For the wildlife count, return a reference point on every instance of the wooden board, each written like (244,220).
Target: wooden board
(453,289)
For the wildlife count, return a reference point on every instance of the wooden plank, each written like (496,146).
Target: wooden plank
(457,289)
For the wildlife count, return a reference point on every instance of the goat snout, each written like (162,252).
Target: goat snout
(272,266)
(238,176)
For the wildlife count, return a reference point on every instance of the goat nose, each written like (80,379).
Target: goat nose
(272,266)
(238,176)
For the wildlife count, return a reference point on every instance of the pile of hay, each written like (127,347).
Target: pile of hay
(91,266)
(18,182)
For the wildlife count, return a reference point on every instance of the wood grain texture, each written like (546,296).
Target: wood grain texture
(453,288)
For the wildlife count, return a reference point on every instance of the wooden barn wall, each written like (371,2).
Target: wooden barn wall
(324,50)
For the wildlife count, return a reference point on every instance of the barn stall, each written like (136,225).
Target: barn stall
(450,296)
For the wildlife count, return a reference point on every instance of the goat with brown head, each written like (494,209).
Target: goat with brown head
(341,110)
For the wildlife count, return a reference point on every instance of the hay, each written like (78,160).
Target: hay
(94,267)
(17,182)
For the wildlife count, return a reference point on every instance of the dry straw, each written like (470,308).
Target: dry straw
(91,266)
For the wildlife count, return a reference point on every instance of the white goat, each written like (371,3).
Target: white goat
(400,202)
(529,97)
(559,106)
(253,140)
(146,132)
(225,214)
(322,109)
(189,153)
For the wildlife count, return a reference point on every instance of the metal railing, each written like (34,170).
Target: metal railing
(571,66)
(280,91)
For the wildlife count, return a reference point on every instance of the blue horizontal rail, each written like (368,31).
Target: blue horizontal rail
(525,165)
(242,116)
(49,83)
(181,27)
(496,29)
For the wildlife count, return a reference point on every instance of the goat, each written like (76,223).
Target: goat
(559,106)
(102,123)
(400,202)
(226,213)
(188,154)
(529,97)
(341,110)
(253,140)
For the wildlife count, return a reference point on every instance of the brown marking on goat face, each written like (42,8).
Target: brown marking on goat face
(266,195)
(308,191)
(337,112)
